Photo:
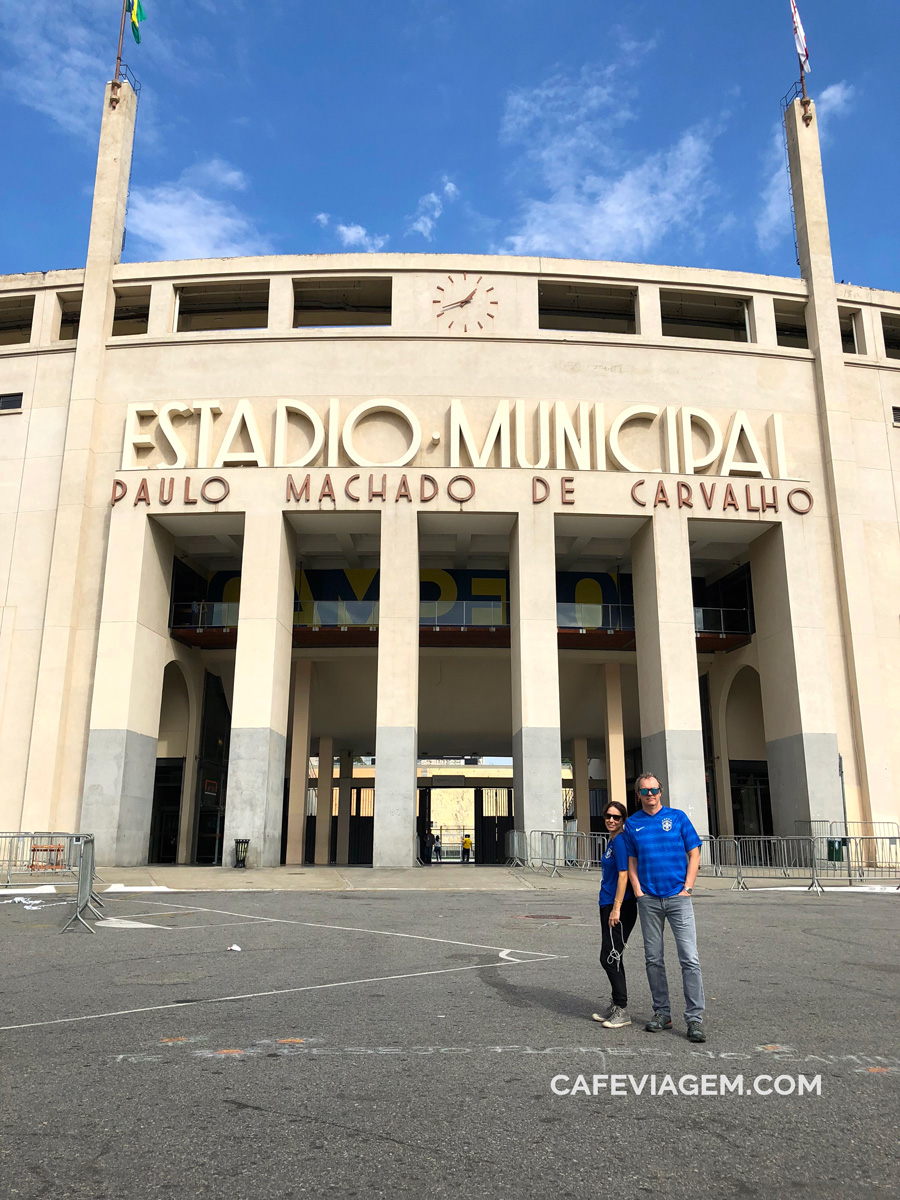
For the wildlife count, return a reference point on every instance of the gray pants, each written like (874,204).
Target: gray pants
(654,911)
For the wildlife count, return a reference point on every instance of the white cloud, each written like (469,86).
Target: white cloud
(322,219)
(600,200)
(430,207)
(357,237)
(185,219)
(835,101)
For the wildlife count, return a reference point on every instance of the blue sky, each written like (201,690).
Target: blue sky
(646,132)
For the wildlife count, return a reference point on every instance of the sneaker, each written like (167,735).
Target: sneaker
(605,1014)
(617,1019)
(661,1020)
(695,1032)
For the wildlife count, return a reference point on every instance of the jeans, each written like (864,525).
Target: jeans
(654,911)
(615,938)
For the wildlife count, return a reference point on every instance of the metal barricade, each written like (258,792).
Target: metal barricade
(28,855)
(708,861)
(860,859)
(573,850)
(85,897)
(596,848)
(516,848)
(544,849)
(877,829)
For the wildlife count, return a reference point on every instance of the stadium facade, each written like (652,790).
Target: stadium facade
(418,506)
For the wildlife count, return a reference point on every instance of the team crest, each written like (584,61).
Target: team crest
(667,823)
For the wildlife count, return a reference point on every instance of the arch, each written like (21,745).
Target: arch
(748,769)
(173,752)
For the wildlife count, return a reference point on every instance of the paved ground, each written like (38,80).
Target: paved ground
(373,1043)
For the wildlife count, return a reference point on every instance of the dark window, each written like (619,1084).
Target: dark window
(237,304)
(16,313)
(896,415)
(322,302)
(790,324)
(69,316)
(850,336)
(132,312)
(890,323)
(704,315)
(585,306)
(11,402)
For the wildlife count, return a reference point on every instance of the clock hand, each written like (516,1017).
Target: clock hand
(460,303)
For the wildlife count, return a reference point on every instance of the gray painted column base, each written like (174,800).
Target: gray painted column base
(804,782)
(254,796)
(675,757)
(537,779)
(117,803)
(395,797)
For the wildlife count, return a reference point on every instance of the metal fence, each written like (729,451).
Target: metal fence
(85,897)
(38,855)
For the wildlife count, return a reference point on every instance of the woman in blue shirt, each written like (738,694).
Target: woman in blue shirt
(618,913)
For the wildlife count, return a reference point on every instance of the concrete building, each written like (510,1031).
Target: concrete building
(413,506)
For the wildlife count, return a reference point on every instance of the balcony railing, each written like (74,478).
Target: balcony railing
(595,616)
(463,614)
(722,620)
(336,614)
(205,614)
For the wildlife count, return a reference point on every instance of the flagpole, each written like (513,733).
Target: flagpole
(804,99)
(119,52)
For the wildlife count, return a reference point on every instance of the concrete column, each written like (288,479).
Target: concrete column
(863,647)
(345,783)
(72,614)
(582,782)
(281,303)
(801,746)
(162,308)
(254,799)
(615,735)
(648,319)
(132,652)
(535,672)
(299,778)
(671,739)
(324,801)
(762,321)
(397,703)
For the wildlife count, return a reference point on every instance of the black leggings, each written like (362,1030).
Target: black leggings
(615,939)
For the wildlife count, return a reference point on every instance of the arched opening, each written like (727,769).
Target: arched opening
(748,767)
(171,757)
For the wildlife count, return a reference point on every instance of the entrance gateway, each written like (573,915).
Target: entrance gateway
(625,522)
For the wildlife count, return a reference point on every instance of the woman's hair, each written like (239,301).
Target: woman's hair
(616,804)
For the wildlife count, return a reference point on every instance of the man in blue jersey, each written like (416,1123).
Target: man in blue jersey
(663,861)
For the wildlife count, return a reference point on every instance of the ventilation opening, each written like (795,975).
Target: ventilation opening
(341,302)
(132,311)
(585,307)
(890,323)
(896,415)
(16,315)
(790,324)
(234,305)
(69,316)
(704,315)
(851,330)
(12,402)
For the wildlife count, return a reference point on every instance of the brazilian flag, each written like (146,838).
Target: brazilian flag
(137,14)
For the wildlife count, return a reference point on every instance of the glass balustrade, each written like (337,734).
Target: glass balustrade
(722,620)
(595,616)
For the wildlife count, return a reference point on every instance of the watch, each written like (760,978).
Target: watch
(465,303)
(690,891)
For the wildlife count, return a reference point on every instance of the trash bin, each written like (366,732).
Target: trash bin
(835,850)
(240,851)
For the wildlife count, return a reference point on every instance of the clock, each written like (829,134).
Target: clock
(465,303)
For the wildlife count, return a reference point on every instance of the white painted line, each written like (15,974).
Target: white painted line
(312,987)
(42,889)
(418,937)
(122,923)
(122,887)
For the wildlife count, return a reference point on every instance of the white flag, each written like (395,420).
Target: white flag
(800,39)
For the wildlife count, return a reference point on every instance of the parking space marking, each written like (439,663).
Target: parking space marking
(419,937)
(312,987)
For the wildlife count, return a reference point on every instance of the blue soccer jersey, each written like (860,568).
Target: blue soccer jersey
(615,859)
(660,844)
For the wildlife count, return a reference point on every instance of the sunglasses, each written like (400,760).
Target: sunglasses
(611,816)
(650,791)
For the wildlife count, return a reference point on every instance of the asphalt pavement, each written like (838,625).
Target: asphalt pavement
(383,1043)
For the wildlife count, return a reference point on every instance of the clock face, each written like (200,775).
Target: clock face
(465,303)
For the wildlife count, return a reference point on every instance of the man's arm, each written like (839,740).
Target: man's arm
(633,875)
(693,866)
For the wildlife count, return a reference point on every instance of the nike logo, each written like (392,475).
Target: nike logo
(638,828)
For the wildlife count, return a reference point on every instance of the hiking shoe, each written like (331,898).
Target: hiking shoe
(695,1032)
(661,1020)
(605,1013)
(617,1019)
